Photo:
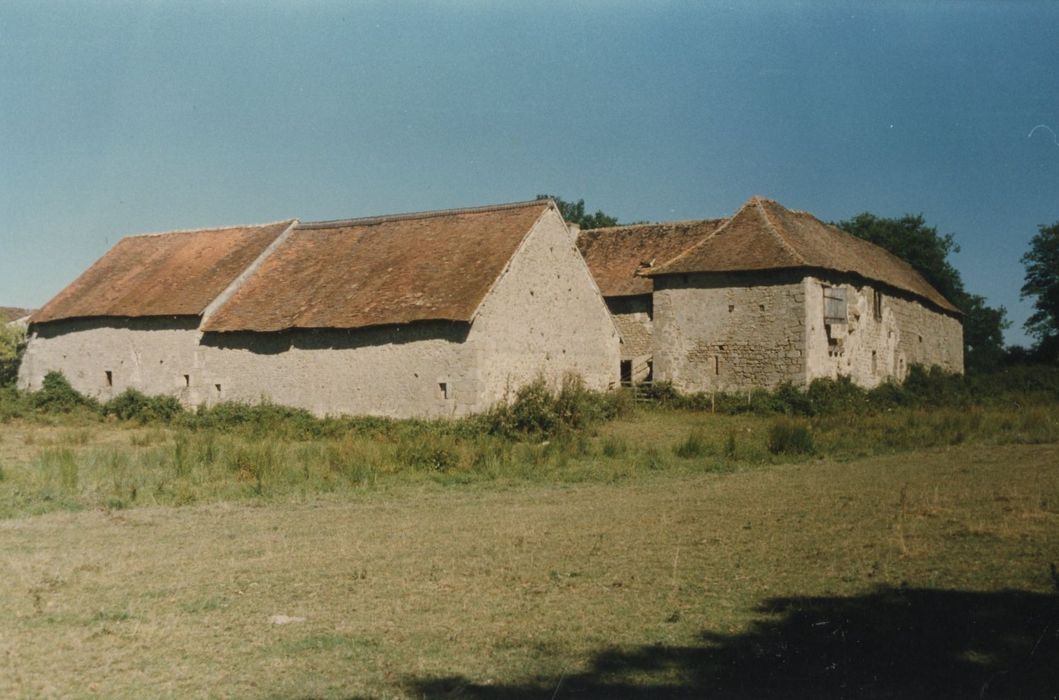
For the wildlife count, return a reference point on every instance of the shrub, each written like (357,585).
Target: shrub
(57,396)
(134,405)
(790,436)
(537,410)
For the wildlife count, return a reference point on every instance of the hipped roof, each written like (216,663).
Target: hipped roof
(616,256)
(170,274)
(380,271)
(764,235)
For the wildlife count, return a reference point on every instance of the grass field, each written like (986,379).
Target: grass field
(667,553)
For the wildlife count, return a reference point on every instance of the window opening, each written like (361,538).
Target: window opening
(877,305)
(626,372)
(835,307)
(110,378)
(187,380)
(444,386)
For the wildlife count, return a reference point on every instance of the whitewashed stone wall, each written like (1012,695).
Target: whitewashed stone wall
(391,371)
(871,350)
(728,332)
(543,317)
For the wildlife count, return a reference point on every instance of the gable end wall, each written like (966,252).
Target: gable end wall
(545,317)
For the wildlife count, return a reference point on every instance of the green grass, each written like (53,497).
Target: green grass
(119,465)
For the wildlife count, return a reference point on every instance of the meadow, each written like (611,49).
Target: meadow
(580,547)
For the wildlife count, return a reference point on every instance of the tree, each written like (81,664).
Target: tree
(12,343)
(1042,284)
(921,246)
(574,213)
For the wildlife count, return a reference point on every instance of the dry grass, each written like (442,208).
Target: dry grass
(500,581)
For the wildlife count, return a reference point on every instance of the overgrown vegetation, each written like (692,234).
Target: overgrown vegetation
(60,450)
(12,344)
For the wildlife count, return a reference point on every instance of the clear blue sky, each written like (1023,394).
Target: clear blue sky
(125,117)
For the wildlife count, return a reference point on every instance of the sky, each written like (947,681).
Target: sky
(126,117)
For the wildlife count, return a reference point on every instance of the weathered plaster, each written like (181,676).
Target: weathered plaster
(720,332)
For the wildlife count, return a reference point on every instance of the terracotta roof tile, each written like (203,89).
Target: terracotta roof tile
(763,235)
(617,255)
(170,274)
(13,313)
(380,271)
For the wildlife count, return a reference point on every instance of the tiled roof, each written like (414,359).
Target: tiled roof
(763,235)
(616,256)
(380,271)
(170,274)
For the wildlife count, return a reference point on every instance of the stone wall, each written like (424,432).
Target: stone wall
(632,317)
(389,371)
(543,317)
(881,338)
(725,332)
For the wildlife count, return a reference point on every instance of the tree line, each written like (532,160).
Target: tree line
(910,238)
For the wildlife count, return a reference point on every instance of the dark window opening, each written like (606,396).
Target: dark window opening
(717,364)
(217,387)
(187,380)
(444,386)
(877,305)
(626,372)
(731,308)
(874,362)
(110,378)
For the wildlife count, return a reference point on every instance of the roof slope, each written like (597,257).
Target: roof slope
(763,235)
(171,274)
(615,255)
(380,271)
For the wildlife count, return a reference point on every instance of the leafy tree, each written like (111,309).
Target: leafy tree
(1042,284)
(910,239)
(12,342)
(574,213)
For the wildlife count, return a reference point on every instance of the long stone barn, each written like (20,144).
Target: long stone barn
(429,314)
(766,297)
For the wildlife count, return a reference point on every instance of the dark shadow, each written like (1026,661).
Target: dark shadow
(893,643)
(338,339)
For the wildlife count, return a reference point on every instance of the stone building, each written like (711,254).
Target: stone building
(766,297)
(428,314)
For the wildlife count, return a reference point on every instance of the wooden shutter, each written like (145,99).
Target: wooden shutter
(834,305)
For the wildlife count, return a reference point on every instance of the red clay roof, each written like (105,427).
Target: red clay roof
(763,235)
(170,274)
(617,255)
(380,271)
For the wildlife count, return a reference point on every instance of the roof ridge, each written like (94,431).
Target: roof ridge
(679,222)
(758,202)
(708,237)
(369,220)
(209,228)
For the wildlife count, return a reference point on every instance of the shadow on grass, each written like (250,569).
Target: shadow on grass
(892,643)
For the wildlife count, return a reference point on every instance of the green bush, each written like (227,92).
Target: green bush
(134,405)
(57,396)
(537,410)
(790,436)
